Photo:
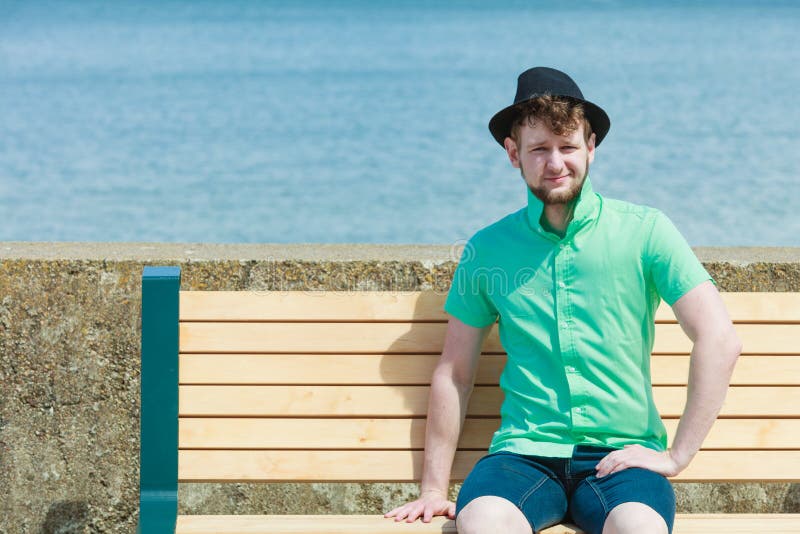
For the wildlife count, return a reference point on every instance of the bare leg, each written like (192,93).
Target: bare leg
(492,514)
(634,518)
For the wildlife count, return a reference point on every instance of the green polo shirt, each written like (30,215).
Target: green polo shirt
(576,320)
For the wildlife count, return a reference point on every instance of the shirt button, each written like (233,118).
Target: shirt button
(579,409)
(562,284)
(570,369)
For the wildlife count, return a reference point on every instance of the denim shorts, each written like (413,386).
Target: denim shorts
(549,491)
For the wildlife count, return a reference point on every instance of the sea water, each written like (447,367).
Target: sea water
(355,121)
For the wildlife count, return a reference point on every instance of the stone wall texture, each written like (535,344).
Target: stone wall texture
(69,373)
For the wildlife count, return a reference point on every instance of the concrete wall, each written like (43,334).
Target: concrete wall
(69,373)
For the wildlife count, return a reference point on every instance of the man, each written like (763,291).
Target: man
(574,279)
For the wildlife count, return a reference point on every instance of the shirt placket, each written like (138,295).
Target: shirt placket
(563,274)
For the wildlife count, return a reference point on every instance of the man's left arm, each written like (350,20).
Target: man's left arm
(704,318)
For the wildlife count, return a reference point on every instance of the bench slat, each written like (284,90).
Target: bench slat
(416,369)
(367,369)
(307,433)
(406,466)
(422,337)
(417,306)
(750,370)
(312,306)
(309,524)
(376,524)
(405,401)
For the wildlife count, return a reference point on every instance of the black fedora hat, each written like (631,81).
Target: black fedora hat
(540,81)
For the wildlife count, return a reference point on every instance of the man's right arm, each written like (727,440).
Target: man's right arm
(451,386)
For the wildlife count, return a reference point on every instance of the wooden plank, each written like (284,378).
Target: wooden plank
(736,523)
(309,466)
(304,524)
(759,307)
(756,339)
(307,433)
(314,337)
(743,434)
(354,401)
(422,338)
(367,369)
(312,306)
(286,524)
(749,371)
(377,524)
(325,524)
(416,369)
(415,306)
(406,466)
(405,401)
(743,401)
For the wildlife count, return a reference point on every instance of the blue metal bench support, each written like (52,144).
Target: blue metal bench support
(158,457)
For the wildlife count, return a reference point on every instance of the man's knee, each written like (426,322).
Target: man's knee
(634,518)
(492,514)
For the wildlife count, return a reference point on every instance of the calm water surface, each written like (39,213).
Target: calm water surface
(246,121)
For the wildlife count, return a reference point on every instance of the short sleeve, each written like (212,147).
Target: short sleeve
(467,299)
(672,265)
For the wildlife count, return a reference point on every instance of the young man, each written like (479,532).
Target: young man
(574,279)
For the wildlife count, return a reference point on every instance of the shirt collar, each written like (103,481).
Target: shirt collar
(587,206)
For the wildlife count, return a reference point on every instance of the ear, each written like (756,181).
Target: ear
(590,147)
(512,151)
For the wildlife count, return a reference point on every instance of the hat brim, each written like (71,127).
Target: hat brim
(500,124)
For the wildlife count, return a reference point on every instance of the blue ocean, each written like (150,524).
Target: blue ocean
(356,121)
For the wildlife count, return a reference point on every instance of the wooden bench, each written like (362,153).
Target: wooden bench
(333,386)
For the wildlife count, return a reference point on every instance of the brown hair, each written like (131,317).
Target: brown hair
(562,116)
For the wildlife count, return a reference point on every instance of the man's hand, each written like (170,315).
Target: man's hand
(429,504)
(639,456)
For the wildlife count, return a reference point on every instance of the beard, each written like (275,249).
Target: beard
(548,196)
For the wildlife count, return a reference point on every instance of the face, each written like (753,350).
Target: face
(553,166)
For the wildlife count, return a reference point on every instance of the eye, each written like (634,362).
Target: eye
(569,148)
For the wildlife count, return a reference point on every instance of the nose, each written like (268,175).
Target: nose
(555,162)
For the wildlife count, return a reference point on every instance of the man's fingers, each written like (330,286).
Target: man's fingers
(408,512)
(414,513)
(618,467)
(637,456)
(423,510)
(632,456)
(402,512)
(610,464)
(442,508)
(392,513)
